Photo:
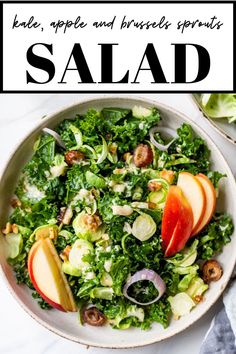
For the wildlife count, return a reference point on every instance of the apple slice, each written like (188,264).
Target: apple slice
(44,267)
(177,222)
(195,195)
(170,215)
(210,193)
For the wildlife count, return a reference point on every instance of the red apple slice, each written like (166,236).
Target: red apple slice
(44,267)
(170,215)
(195,194)
(210,201)
(177,222)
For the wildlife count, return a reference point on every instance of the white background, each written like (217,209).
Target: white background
(19,333)
(128,54)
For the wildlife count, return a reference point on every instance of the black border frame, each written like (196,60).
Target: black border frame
(112,91)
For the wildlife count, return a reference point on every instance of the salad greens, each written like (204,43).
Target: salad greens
(108,217)
(220,105)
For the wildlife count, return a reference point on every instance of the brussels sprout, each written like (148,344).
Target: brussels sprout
(131,311)
(94,180)
(46,231)
(102,293)
(135,311)
(79,249)
(184,283)
(158,198)
(197,287)
(82,230)
(181,304)
(162,181)
(14,244)
(68,268)
(106,279)
(141,112)
(189,256)
(138,192)
(65,234)
(186,270)
(144,227)
(59,166)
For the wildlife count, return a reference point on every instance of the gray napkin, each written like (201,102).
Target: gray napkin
(220,338)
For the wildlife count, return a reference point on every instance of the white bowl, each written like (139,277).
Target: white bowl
(66,324)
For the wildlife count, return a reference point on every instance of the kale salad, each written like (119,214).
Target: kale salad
(115,220)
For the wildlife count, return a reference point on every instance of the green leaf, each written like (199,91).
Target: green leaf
(94,180)
(215,177)
(114,115)
(214,236)
(119,273)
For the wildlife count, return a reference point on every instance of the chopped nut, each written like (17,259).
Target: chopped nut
(127,156)
(119,171)
(152,205)
(105,237)
(7,229)
(92,222)
(154,186)
(15,202)
(198,298)
(51,233)
(168,175)
(15,229)
(113,148)
(65,253)
(47,231)
(95,192)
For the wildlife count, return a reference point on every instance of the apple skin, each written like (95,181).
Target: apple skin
(195,195)
(210,193)
(64,291)
(31,255)
(177,222)
(170,215)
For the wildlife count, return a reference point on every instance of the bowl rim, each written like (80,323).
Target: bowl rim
(39,124)
(212,121)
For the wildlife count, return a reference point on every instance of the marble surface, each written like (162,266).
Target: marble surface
(19,333)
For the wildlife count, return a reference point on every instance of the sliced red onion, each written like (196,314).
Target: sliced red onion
(145,274)
(164,130)
(55,136)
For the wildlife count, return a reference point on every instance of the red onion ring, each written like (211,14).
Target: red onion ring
(145,274)
(163,130)
(55,136)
